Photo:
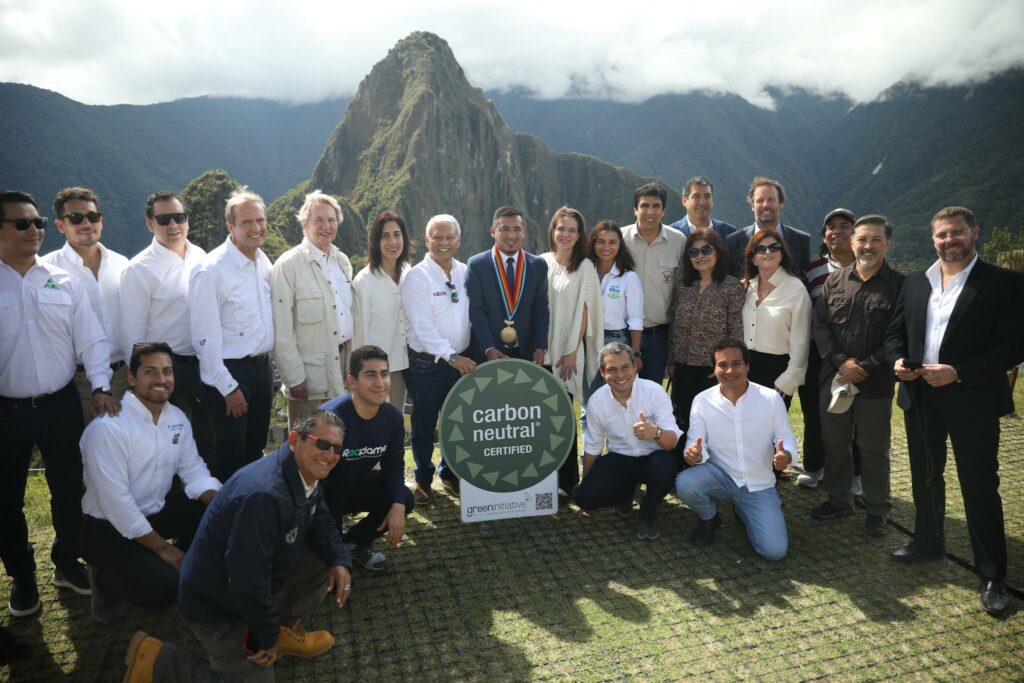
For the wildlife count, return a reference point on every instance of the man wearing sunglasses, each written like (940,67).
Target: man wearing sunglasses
(371,474)
(767,198)
(154,306)
(265,555)
(698,200)
(437,331)
(46,325)
(98,270)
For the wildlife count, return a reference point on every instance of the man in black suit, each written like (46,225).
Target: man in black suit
(957,328)
(508,295)
(767,197)
(698,200)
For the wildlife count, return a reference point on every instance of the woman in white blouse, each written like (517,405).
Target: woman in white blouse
(379,318)
(776,316)
(575,328)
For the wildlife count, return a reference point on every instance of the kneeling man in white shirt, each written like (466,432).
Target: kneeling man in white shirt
(738,432)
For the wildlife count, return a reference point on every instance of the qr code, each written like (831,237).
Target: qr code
(544,501)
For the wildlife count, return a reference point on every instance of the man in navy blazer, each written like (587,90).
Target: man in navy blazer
(957,328)
(698,200)
(496,332)
(767,197)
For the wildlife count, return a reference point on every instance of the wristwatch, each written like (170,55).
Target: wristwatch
(102,390)
(452,358)
(657,434)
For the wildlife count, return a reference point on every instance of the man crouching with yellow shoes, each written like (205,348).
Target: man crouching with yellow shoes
(266,553)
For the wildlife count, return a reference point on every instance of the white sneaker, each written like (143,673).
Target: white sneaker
(810,479)
(857,489)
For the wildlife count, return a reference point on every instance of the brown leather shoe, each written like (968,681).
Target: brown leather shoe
(141,656)
(422,494)
(451,486)
(293,640)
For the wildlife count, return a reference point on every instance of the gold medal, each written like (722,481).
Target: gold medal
(508,333)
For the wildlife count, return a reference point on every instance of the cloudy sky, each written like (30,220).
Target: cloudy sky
(127,51)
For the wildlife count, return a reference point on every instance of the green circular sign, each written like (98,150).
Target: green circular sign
(506,426)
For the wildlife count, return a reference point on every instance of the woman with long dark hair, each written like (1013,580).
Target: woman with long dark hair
(707,306)
(379,317)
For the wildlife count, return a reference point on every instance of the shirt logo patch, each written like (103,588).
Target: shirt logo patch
(667,276)
(292,535)
(175,439)
(50,284)
(615,291)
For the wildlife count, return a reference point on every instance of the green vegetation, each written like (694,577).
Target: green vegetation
(1005,248)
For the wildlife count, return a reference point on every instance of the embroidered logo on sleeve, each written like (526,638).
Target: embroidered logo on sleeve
(292,535)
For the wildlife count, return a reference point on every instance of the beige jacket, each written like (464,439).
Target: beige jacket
(305,327)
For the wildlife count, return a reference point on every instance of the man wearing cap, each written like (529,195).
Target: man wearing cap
(850,319)
(834,254)
(767,198)
(698,200)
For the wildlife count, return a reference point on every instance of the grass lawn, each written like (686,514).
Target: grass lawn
(580,597)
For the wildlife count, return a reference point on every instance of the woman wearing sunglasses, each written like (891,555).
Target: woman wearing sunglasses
(379,316)
(776,316)
(706,306)
(575,327)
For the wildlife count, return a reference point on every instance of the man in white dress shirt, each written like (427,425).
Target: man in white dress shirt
(46,324)
(131,503)
(233,333)
(634,418)
(738,433)
(311,286)
(98,270)
(437,329)
(154,305)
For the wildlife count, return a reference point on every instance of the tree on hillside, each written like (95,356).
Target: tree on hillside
(1005,248)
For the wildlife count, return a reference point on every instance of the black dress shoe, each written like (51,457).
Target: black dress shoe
(915,552)
(994,598)
(704,533)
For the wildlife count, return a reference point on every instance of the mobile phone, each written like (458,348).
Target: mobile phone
(911,364)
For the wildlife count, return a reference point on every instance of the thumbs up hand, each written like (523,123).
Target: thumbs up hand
(644,429)
(694,453)
(782,457)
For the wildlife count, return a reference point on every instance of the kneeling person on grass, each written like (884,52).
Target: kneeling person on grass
(634,417)
(738,432)
(374,435)
(131,505)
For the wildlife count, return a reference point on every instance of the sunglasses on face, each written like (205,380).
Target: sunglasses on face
(76,218)
(774,247)
(323,444)
(694,252)
(23,224)
(166,218)
(453,292)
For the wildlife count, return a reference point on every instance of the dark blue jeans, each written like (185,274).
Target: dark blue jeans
(654,350)
(428,384)
(56,429)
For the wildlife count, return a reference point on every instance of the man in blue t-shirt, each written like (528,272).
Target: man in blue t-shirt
(374,435)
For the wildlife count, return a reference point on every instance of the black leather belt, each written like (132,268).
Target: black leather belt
(657,329)
(34,401)
(259,358)
(429,357)
(113,366)
(187,360)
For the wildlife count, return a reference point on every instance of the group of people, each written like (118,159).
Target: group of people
(147,385)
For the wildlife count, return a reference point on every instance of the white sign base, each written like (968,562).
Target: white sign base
(480,505)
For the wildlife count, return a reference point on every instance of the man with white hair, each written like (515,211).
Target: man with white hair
(437,330)
(233,333)
(311,287)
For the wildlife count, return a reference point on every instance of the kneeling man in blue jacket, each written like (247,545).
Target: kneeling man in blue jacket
(266,553)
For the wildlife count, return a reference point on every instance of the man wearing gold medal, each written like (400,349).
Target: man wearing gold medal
(508,295)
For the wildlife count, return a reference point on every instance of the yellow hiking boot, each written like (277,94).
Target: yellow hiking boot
(294,641)
(142,652)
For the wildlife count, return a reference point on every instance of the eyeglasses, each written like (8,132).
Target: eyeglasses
(23,224)
(166,218)
(76,218)
(774,247)
(323,444)
(694,252)
(454,293)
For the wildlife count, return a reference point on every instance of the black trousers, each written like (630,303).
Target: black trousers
(56,429)
(765,368)
(569,472)
(241,440)
(614,477)
(129,571)
(188,395)
(687,382)
(370,496)
(934,414)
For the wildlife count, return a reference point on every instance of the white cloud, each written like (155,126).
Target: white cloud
(114,51)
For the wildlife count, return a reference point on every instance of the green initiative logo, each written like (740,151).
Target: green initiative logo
(506,426)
